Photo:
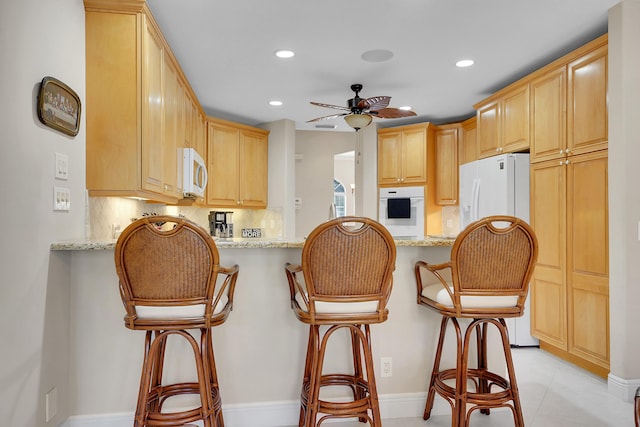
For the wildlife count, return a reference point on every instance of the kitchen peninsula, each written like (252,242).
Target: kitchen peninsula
(259,350)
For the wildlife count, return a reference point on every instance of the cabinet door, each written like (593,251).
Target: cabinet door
(468,142)
(152,150)
(414,156)
(253,170)
(171,134)
(548,219)
(587,94)
(515,120)
(488,128)
(548,106)
(588,257)
(200,143)
(223,166)
(447,166)
(389,157)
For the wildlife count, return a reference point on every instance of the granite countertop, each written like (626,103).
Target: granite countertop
(238,243)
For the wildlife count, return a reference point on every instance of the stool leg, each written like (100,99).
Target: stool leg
(431,391)
(358,393)
(481,340)
(306,376)
(149,396)
(140,417)
(515,394)
(214,400)
(371,378)
(313,373)
(462,357)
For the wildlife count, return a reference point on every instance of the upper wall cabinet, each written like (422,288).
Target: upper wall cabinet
(402,154)
(548,118)
(237,165)
(503,122)
(587,93)
(446,163)
(135,100)
(569,105)
(468,143)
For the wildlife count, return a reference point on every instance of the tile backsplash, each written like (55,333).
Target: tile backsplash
(107,216)
(450,220)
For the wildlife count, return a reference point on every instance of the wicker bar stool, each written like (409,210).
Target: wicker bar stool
(344,282)
(172,285)
(486,280)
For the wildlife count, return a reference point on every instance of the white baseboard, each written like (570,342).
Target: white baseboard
(621,388)
(276,414)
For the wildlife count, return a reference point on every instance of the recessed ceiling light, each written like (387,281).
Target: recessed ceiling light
(284,53)
(275,103)
(406,108)
(465,63)
(377,55)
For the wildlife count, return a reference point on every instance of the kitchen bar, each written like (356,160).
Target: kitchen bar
(259,350)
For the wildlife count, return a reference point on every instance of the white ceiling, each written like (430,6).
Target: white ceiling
(226,49)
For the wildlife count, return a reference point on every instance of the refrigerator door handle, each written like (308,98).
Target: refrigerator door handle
(475,200)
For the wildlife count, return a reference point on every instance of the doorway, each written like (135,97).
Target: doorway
(344,187)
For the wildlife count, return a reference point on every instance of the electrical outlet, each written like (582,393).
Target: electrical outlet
(386,367)
(116,230)
(51,404)
(61,199)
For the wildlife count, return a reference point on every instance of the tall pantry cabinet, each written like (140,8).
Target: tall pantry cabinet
(569,208)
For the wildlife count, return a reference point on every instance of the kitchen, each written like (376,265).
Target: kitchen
(36,281)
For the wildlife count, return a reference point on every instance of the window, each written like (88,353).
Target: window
(339,198)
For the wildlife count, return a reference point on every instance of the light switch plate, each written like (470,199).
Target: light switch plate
(61,199)
(62,166)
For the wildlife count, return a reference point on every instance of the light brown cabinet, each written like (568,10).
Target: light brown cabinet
(237,165)
(402,154)
(134,103)
(503,122)
(468,142)
(569,207)
(569,107)
(587,107)
(446,164)
(548,118)
(570,288)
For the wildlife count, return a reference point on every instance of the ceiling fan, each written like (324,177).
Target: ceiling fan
(360,111)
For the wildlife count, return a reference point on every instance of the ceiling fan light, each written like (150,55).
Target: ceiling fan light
(358,121)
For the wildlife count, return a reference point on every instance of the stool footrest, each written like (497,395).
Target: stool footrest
(497,398)
(359,387)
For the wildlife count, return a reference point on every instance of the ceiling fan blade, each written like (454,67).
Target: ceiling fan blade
(320,104)
(374,103)
(392,113)
(333,116)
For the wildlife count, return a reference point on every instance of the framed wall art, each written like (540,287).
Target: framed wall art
(59,106)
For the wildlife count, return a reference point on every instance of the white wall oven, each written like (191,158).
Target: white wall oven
(402,211)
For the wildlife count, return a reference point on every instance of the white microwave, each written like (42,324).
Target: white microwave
(194,173)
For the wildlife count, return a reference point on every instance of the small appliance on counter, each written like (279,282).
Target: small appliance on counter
(221,224)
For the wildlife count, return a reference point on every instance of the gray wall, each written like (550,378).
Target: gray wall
(624,199)
(314,174)
(37,39)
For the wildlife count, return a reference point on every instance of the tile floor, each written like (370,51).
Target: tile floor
(553,393)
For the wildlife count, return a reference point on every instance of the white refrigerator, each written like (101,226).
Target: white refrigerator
(499,185)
